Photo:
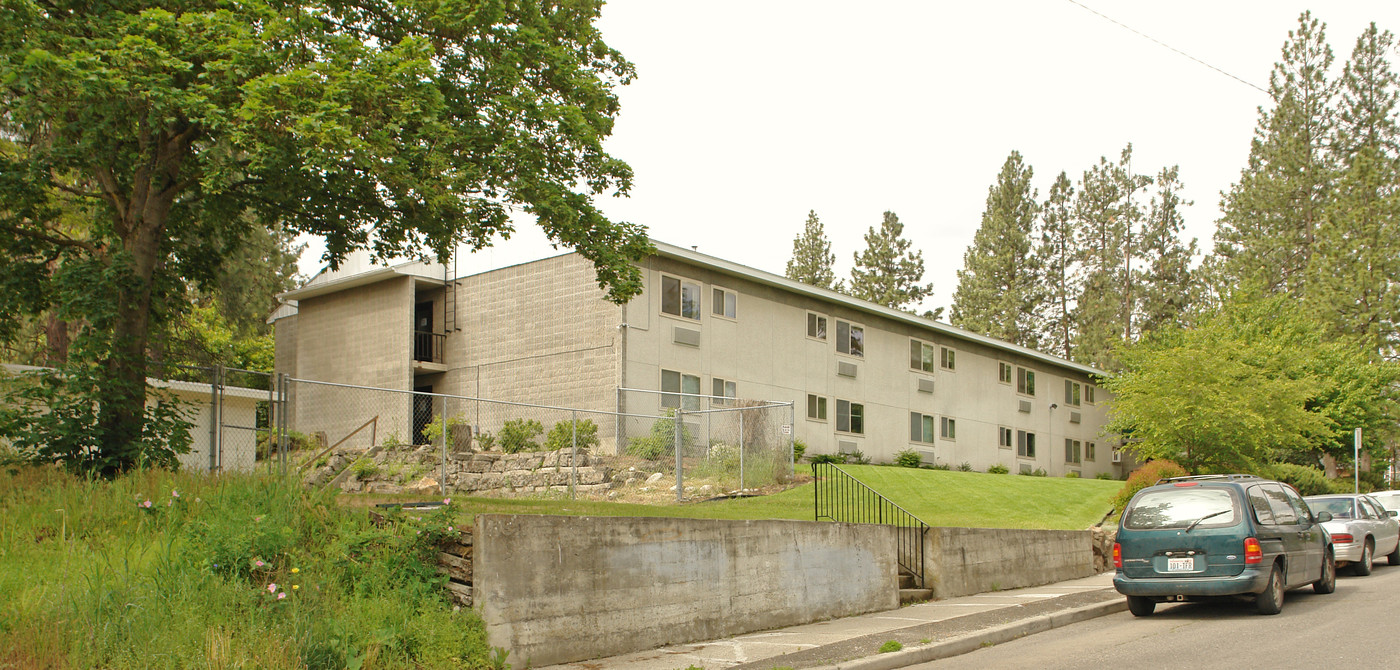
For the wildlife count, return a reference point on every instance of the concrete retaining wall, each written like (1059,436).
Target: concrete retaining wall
(963,561)
(556,589)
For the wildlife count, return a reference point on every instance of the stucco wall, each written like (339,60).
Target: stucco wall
(558,589)
(962,561)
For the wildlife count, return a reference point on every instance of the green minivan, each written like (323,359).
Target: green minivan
(1188,538)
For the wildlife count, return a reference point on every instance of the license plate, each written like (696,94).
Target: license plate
(1181,564)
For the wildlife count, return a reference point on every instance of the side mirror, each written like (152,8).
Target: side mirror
(1323,517)
(1391,512)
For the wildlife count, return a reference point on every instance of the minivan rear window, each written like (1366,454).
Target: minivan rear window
(1181,507)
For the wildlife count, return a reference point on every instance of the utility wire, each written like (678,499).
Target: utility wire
(1164,44)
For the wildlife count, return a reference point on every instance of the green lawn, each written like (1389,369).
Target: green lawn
(938,497)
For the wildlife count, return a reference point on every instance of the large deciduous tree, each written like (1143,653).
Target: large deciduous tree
(167,128)
(1256,382)
(998,285)
(887,272)
(812,260)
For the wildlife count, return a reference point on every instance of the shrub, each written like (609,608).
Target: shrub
(940,466)
(364,467)
(1103,475)
(998,469)
(1146,476)
(661,441)
(1072,474)
(964,467)
(857,457)
(486,440)
(561,436)
(267,442)
(839,459)
(1038,472)
(433,431)
(799,448)
(1308,481)
(890,645)
(908,459)
(519,435)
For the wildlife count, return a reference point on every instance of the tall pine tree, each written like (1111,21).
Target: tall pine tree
(1354,282)
(998,286)
(812,260)
(1165,285)
(1264,240)
(1107,218)
(1055,255)
(887,272)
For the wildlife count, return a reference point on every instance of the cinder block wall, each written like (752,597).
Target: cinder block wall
(963,561)
(558,589)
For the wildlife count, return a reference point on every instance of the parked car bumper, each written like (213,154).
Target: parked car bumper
(1251,580)
(1348,553)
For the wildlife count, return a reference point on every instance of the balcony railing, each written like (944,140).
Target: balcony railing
(427,347)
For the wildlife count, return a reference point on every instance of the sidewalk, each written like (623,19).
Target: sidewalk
(927,631)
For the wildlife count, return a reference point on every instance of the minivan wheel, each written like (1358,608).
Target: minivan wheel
(1271,600)
(1394,556)
(1141,605)
(1363,566)
(1328,582)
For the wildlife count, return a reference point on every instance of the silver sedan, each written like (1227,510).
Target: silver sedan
(1361,528)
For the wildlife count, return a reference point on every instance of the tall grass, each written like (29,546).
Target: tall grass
(166,570)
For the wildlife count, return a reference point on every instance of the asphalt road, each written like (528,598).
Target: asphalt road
(1355,627)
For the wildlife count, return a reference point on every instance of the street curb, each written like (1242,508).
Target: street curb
(974,641)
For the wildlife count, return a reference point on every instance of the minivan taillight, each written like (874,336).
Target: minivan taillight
(1252,552)
(1117,555)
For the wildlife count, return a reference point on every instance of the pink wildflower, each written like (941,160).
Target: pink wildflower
(272,588)
(259,563)
(449,529)
(282,595)
(447,501)
(174,493)
(146,504)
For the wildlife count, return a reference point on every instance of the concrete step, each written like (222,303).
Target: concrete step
(907,596)
(907,581)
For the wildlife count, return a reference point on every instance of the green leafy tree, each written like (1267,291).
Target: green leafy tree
(1055,255)
(1166,285)
(400,127)
(812,260)
(1354,277)
(1264,239)
(1254,383)
(999,284)
(887,272)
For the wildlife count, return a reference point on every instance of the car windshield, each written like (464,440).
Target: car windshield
(1339,507)
(1181,508)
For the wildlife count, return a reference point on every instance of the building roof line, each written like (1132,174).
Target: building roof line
(753,274)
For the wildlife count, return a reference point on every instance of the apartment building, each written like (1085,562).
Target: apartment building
(863,377)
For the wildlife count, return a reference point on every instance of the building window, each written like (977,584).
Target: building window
(726,303)
(850,338)
(850,417)
(672,383)
(1089,393)
(680,298)
(1004,373)
(816,326)
(723,390)
(1071,393)
(816,407)
(1025,444)
(1025,381)
(949,429)
(1071,451)
(1004,437)
(1089,451)
(920,355)
(920,427)
(948,360)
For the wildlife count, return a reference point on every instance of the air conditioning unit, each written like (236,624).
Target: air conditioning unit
(1117,456)
(845,369)
(925,386)
(1026,406)
(686,336)
(1074,417)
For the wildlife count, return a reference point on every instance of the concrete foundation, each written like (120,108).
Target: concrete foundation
(963,561)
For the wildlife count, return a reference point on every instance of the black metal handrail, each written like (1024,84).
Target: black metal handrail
(427,347)
(841,497)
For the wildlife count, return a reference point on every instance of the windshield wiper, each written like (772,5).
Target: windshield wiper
(1197,521)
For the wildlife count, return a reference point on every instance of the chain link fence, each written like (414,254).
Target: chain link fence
(391,441)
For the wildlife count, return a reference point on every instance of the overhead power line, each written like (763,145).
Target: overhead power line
(1163,44)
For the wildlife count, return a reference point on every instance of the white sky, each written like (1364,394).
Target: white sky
(748,113)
